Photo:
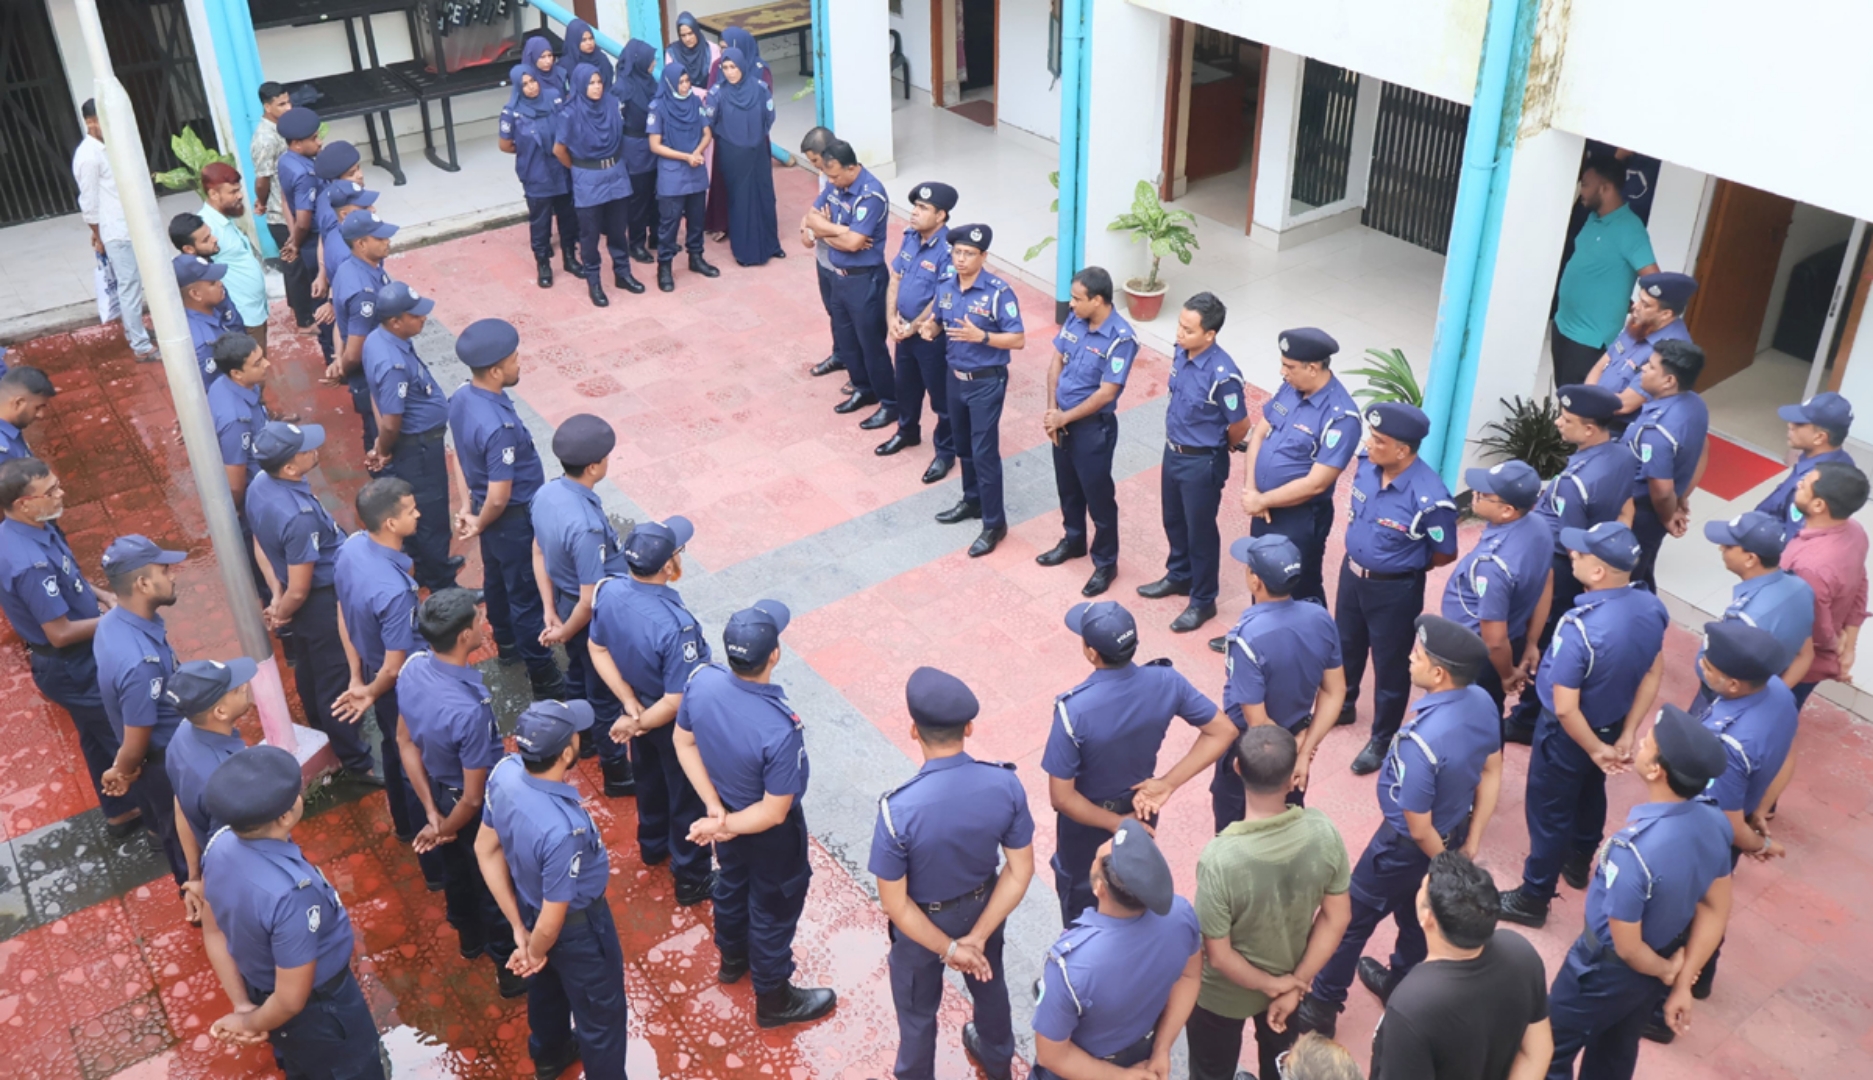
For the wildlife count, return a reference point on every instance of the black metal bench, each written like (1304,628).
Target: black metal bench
(430,86)
(369,91)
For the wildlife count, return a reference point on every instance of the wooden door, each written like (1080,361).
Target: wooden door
(1735,274)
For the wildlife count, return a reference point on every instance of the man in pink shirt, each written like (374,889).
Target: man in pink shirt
(1830,555)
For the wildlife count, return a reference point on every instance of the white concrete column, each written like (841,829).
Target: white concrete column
(1677,215)
(1365,134)
(1274,165)
(861,81)
(612,17)
(1543,176)
(1125,126)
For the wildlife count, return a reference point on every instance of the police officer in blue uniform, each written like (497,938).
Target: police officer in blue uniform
(851,224)
(1594,487)
(359,280)
(134,660)
(1817,428)
(645,645)
(345,197)
(1656,909)
(934,852)
(24,394)
(980,320)
(448,741)
(547,867)
(502,468)
(1767,597)
(1281,665)
(1307,436)
(1401,524)
(300,540)
(1093,356)
(276,932)
(212,695)
(1501,590)
(205,303)
(55,612)
(1600,675)
(1668,438)
(1102,748)
(1120,982)
(413,417)
(575,542)
(1656,316)
(1207,417)
(922,263)
(299,186)
(740,745)
(1437,790)
(239,410)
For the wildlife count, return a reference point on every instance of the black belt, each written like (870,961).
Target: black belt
(1599,948)
(976,893)
(1193,451)
(855,271)
(423,438)
(59,652)
(1120,805)
(574,916)
(599,164)
(998,371)
(1136,1052)
(1359,571)
(327,989)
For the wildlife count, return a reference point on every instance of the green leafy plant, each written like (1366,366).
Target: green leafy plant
(803,91)
(1388,379)
(195,155)
(1527,432)
(1168,232)
(1054,179)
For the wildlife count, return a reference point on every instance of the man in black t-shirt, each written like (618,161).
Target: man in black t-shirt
(1478,1006)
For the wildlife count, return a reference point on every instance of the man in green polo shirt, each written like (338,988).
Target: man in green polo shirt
(1272,904)
(1610,254)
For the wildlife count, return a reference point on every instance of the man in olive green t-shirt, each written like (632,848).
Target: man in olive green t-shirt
(1272,904)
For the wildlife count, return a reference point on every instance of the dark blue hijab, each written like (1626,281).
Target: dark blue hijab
(591,129)
(554,79)
(575,33)
(738,38)
(636,85)
(534,107)
(696,60)
(681,116)
(741,115)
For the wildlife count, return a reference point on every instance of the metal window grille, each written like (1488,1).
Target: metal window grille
(1323,144)
(39,126)
(1417,159)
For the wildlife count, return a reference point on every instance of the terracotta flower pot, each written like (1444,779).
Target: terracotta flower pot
(1144,304)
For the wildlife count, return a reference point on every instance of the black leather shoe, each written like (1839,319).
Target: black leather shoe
(666,280)
(1192,617)
(1219,644)
(828,366)
(628,282)
(620,781)
(508,655)
(1164,586)
(1656,1030)
(857,401)
(1522,909)
(472,952)
(882,418)
(1375,977)
(1061,552)
(847,388)
(571,263)
(550,687)
(986,542)
(511,985)
(1349,714)
(454,563)
(545,269)
(972,1045)
(1313,1014)
(939,468)
(362,778)
(1369,759)
(642,254)
(895,443)
(732,969)
(793,1005)
(557,1063)
(1577,870)
(597,293)
(1513,732)
(962,511)
(691,893)
(700,265)
(1100,581)
(128,827)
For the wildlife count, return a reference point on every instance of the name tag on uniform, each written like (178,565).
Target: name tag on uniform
(928,265)
(1388,523)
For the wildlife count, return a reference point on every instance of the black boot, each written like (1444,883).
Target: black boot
(623,278)
(640,253)
(570,260)
(557,1062)
(665,279)
(791,1004)
(546,273)
(699,265)
(597,292)
(549,685)
(620,782)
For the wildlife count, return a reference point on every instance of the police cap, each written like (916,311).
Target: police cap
(546,728)
(651,543)
(1610,542)
(363,224)
(1272,557)
(753,633)
(1514,482)
(253,787)
(487,342)
(1827,409)
(1742,651)
(584,439)
(196,686)
(1397,420)
(940,196)
(335,159)
(1105,625)
(1757,533)
(1589,402)
(939,699)
(280,440)
(193,268)
(134,552)
(1668,288)
(1692,750)
(975,236)
(1139,868)
(1457,648)
(349,193)
(298,123)
(398,298)
(1308,345)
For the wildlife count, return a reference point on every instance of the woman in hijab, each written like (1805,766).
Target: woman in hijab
(743,111)
(537,56)
(715,221)
(582,48)
(635,89)
(678,126)
(527,132)
(591,143)
(691,51)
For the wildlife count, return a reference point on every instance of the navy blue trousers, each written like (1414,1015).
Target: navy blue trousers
(612,220)
(642,209)
(466,901)
(71,682)
(667,805)
(917,991)
(1385,882)
(921,370)
(1566,804)
(321,673)
(1190,489)
(542,212)
(582,983)
(332,1038)
(423,462)
(154,796)
(406,810)
(673,210)
(1377,617)
(976,425)
(1491,680)
(858,331)
(1598,1008)
(1083,478)
(760,891)
(1075,845)
(585,683)
(1307,525)
(513,596)
(1650,532)
(367,412)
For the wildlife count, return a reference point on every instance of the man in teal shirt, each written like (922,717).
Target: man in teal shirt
(225,200)
(1610,254)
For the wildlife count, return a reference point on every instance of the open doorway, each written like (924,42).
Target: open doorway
(978,29)
(1215,90)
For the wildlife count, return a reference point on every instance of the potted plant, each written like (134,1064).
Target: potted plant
(1527,432)
(1389,378)
(194,155)
(1168,232)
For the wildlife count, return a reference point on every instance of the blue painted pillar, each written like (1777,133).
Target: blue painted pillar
(231,31)
(1476,225)
(1075,94)
(646,25)
(821,38)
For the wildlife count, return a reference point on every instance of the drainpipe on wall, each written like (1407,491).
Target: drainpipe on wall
(237,55)
(1475,230)
(1075,93)
(822,64)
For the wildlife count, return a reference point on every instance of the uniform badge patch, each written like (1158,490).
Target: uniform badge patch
(1230,401)
(1118,364)
(156,689)
(1612,871)
(1482,586)
(367,309)
(1560,506)
(403,390)
(52,587)
(1011,309)
(1645,453)
(312,919)
(573,870)
(1333,438)
(690,652)
(862,211)
(507,456)
(1437,533)
(315,539)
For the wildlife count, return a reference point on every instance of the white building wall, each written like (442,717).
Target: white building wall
(1676,224)
(913,28)
(1127,126)
(1027,95)
(861,81)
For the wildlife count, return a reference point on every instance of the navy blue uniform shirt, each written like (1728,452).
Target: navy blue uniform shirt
(205,329)
(1206,398)
(653,639)
(1276,657)
(1397,527)
(1501,579)
(300,185)
(575,537)
(239,415)
(1093,357)
(492,445)
(1627,354)
(1655,870)
(1107,730)
(1604,647)
(864,208)
(292,527)
(134,661)
(191,759)
(1437,757)
(1757,731)
(354,296)
(1320,429)
(1591,489)
(1668,438)
(1781,501)
(1105,981)
(39,580)
(942,831)
(450,715)
(747,734)
(377,594)
(12,443)
(277,909)
(541,174)
(401,383)
(921,265)
(554,853)
(989,303)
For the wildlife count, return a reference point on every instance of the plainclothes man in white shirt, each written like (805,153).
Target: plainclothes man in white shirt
(110,236)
